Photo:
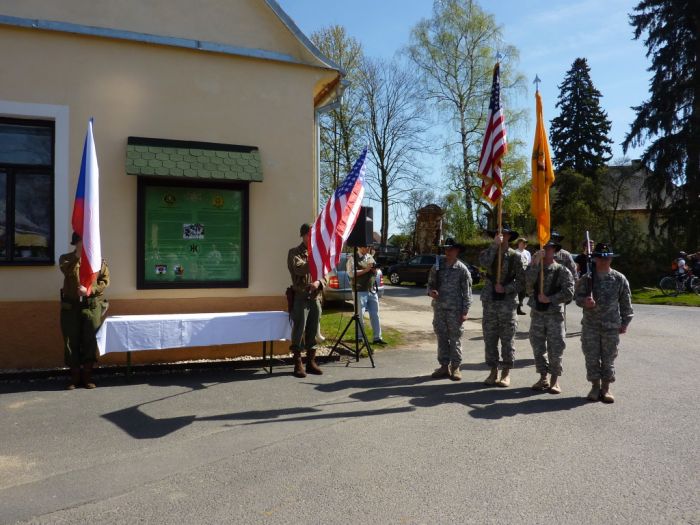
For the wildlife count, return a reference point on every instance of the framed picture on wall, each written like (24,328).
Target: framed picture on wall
(192,234)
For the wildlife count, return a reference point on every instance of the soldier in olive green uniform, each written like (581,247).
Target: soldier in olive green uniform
(306,312)
(81,316)
(607,311)
(546,304)
(500,300)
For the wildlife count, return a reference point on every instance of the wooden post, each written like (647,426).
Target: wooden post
(542,270)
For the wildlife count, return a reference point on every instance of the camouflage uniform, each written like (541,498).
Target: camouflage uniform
(565,258)
(454,287)
(499,319)
(81,317)
(600,333)
(547,330)
(306,313)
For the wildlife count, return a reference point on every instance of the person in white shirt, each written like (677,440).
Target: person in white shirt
(527,259)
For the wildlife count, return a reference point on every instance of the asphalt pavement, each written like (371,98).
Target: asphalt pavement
(362,445)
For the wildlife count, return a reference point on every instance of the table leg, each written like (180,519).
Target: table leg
(272,352)
(128,367)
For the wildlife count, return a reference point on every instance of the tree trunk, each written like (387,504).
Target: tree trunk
(465,171)
(385,208)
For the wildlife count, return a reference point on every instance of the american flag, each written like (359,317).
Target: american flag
(336,221)
(495,145)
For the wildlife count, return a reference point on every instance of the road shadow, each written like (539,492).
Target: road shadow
(194,379)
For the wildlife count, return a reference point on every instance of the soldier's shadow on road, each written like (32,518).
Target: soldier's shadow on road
(484,402)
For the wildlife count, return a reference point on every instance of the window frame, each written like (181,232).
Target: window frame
(142,184)
(11,170)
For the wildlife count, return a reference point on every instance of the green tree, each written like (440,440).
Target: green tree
(341,128)
(579,135)
(670,118)
(454,52)
(576,208)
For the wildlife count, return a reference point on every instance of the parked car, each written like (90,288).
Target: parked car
(339,288)
(416,270)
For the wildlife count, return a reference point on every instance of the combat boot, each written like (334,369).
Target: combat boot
(594,394)
(298,365)
(554,387)
(505,378)
(492,378)
(87,377)
(74,378)
(441,372)
(605,394)
(455,373)
(542,384)
(311,365)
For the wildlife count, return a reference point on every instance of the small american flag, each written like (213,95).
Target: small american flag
(495,145)
(336,221)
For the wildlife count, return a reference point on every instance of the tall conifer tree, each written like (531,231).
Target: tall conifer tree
(579,135)
(670,118)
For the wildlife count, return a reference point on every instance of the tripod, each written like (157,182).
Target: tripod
(359,326)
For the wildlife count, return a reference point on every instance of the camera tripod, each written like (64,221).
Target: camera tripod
(357,321)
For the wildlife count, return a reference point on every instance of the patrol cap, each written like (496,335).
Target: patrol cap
(304,229)
(75,238)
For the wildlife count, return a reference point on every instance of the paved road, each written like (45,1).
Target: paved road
(362,445)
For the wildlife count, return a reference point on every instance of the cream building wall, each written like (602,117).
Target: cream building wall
(138,89)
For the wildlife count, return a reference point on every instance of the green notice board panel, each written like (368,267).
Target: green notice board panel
(193,236)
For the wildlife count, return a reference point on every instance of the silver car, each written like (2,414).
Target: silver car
(338,287)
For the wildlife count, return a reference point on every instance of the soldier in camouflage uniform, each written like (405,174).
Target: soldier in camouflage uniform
(547,331)
(81,316)
(306,312)
(450,286)
(500,300)
(563,256)
(607,311)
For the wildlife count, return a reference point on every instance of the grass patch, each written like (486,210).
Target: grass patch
(336,317)
(654,296)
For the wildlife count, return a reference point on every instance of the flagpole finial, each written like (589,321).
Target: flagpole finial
(537,82)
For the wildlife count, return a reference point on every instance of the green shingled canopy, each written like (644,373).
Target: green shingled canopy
(192,160)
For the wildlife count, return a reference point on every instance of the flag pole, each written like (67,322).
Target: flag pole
(500,244)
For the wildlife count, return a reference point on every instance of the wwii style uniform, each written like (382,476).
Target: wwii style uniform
(366,285)
(499,319)
(306,313)
(454,287)
(600,332)
(81,317)
(547,330)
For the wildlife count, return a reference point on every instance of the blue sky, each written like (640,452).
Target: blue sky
(550,34)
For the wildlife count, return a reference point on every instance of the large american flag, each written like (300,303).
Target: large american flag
(336,221)
(495,145)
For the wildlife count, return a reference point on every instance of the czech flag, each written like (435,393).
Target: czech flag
(86,213)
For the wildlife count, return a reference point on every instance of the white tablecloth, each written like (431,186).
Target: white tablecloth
(128,333)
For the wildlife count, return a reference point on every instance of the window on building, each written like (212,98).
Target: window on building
(192,234)
(26,192)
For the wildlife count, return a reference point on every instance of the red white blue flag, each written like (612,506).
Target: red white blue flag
(495,144)
(86,213)
(336,221)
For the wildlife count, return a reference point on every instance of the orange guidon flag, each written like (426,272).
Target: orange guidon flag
(542,176)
